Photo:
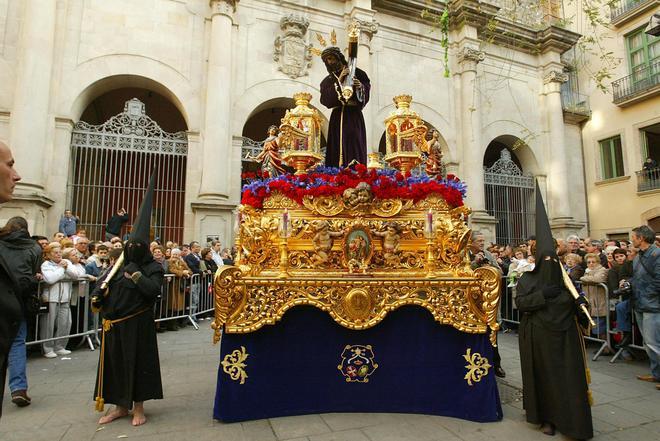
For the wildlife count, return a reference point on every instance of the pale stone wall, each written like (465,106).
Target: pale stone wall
(168,47)
(615,206)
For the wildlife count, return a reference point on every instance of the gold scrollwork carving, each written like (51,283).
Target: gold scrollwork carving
(477,367)
(357,303)
(324,205)
(278,200)
(356,287)
(489,298)
(334,205)
(234,365)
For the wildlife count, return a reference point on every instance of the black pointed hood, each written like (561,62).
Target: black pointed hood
(548,272)
(142,226)
(545,245)
(137,247)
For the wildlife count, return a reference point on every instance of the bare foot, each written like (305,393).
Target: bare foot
(138,415)
(117,412)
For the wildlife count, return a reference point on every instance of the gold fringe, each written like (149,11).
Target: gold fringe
(100,403)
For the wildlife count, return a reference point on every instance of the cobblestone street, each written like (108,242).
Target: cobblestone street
(62,406)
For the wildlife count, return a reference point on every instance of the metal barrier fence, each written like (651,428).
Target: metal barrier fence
(189,298)
(181,299)
(509,314)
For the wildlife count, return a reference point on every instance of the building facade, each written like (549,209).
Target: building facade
(95,94)
(624,127)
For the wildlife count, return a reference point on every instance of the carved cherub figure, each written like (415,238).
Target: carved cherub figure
(361,194)
(391,239)
(323,242)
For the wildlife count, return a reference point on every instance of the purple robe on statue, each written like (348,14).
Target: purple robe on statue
(352,134)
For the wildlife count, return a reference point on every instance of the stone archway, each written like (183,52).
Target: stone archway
(509,192)
(112,159)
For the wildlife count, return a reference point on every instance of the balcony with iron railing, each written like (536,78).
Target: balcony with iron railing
(625,10)
(575,105)
(640,85)
(648,179)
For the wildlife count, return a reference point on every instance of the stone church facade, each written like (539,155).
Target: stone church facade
(212,74)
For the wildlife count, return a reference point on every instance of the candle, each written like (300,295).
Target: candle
(285,222)
(429,222)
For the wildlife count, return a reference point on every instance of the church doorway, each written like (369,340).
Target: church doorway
(114,148)
(509,192)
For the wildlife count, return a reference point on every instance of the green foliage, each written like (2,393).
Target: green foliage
(441,21)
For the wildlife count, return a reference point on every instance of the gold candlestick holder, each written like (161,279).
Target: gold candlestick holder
(284,258)
(430,258)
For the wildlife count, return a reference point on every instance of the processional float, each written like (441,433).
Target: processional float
(352,289)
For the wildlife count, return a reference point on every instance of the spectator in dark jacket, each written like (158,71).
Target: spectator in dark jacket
(10,307)
(17,280)
(620,273)
(113,228)
(193,259)
(25,262)
(207,260)
(646,295)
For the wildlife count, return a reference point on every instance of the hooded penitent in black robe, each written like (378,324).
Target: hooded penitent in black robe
(131,366)
(352,132)
(552,357)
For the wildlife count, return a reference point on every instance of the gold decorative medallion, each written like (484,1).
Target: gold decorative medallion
(357,304)
(477,367)
(357,363)
(234,366)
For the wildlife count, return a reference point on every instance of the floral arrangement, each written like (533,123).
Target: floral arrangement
(331,181)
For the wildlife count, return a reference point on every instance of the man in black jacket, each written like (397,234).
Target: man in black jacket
(192,260)
(10,307)
(24,263)
(113,228)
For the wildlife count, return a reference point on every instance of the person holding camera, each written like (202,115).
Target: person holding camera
(618,283)
(113,227)
(646,297)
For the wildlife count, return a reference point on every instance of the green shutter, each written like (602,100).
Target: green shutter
(611,157)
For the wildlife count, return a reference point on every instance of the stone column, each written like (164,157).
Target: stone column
(29,123)
(217,121)
(558,195)
(472,142)
(472,163)
(368,28)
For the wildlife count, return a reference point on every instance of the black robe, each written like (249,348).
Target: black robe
(552,359)
(132,368)
(352,133)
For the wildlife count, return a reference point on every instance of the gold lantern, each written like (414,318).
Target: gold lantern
(405,134)
(301,135)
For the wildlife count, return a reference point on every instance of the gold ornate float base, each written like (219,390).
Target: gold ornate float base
(357,258)
(245,304)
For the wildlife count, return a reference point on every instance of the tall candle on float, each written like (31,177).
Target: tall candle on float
(285,222)
(428,224)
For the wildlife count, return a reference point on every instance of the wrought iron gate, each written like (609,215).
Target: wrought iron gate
(110,168)
(510,199)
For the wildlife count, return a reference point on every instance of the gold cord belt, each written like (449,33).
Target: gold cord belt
(107,325)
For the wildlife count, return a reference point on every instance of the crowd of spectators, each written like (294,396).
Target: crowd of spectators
(591,264)
(65,269)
